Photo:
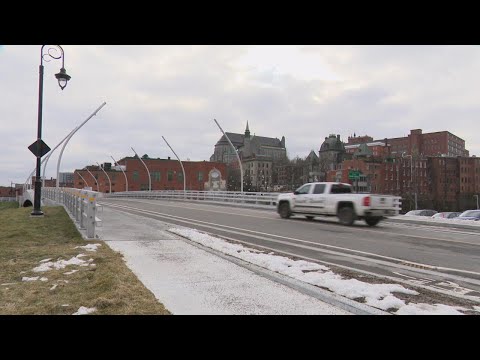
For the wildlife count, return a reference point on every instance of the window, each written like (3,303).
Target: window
(200,176)
(135,176)
(170,175)
(340,189)
(319,189)
(156,176)
(303,189)
(180,176)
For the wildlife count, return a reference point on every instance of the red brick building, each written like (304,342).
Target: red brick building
(428,144)
(7,191)
(165,174)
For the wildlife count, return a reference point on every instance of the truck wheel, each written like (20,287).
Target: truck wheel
(372,221)
(309,217)
(284,211)
(346,216)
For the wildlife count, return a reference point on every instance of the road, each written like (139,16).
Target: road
(435,257)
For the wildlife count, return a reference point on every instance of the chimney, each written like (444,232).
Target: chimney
(169,158)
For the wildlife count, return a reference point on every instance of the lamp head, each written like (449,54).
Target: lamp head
(63,78)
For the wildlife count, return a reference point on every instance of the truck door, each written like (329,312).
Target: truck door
(316,200)
(301,198)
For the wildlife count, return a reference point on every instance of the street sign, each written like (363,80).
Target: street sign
(39,152)
(354,174)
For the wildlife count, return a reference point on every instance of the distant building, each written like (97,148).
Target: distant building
(257,153)
(65,179)
(165,174)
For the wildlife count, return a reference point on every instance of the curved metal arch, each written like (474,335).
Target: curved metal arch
(44,56)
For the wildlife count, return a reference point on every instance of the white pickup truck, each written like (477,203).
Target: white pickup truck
(337,199)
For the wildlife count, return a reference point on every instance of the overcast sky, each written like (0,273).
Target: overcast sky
(303,93)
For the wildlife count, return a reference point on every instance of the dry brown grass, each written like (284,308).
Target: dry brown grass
(110,286)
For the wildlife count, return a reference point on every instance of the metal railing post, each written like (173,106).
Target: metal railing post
(91,212)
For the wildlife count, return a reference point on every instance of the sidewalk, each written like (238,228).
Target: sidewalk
(190,280)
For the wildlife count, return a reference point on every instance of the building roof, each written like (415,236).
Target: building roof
(238,140)
(332,143)
(375,143)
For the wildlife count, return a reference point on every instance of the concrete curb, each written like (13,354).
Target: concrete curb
(328,297)
(430,223)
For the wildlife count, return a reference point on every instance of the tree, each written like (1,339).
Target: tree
(233,178)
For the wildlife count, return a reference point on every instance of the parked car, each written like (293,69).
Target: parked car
(470,215)
(446,215)
(421,212)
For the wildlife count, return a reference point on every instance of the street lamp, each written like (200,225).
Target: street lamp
(63,79)
(108,177)
(70,136)
(183,170)
(236,153)
(95,181)
(148,172)
(121,168)
(81,177)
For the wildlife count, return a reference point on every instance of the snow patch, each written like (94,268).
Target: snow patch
(376,295)
(427,309)
(89,247)
(60,264)
(84,311)
(26,278)
(70,272)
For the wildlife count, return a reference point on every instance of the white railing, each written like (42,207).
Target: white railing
(81,204)
(267,199)
(8,198)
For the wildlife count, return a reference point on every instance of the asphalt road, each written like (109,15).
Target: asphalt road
(436,257)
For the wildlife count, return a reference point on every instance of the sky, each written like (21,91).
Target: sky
(304,93)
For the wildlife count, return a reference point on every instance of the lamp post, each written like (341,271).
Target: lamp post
(148,172)
(63,79)
(81,177)
(95,181)
(236,153)
(183,170)
(71,135)
(126,180)
(108,177)
(50,154)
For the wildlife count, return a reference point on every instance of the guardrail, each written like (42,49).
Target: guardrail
(8,198)
(81,204)
(254,198)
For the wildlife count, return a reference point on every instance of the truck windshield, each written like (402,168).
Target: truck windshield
(340,189)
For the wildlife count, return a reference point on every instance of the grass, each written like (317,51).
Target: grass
(110,285)
(8,205)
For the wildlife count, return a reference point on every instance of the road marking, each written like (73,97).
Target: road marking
(376,231)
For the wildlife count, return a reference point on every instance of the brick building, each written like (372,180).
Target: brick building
(7,191)
(258,154)
(165,174)
(428,144)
